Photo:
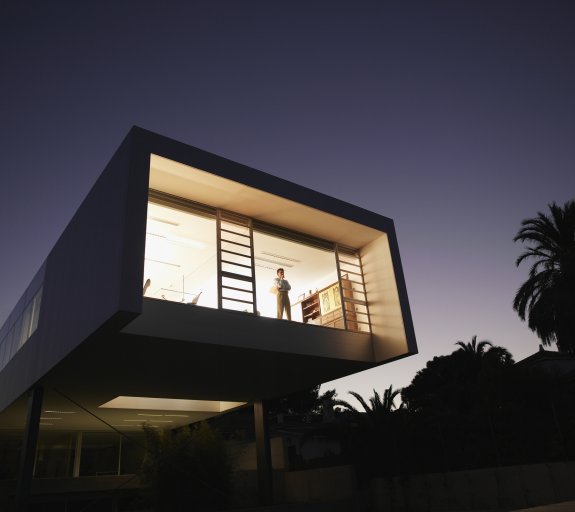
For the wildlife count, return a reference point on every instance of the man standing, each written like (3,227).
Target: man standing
(283,288)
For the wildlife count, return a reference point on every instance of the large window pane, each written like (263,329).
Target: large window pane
(26,323)
(36,311)
(10,452)
(181,265)
(132,453)
(100,454)
(308,269)
(55,455)
(180,261)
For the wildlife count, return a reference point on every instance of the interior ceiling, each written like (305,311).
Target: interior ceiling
(63,411)
(207,188)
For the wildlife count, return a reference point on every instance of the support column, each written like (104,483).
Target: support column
(31,430)
(77,456)
(263,453)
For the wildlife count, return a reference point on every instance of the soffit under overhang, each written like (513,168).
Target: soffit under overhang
(204,187)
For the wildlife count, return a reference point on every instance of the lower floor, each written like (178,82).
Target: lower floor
(74,454)
(534,488)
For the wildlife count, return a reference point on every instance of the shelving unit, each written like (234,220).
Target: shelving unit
(324,307)
(310,307)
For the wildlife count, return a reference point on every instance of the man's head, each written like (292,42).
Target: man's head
(280,272)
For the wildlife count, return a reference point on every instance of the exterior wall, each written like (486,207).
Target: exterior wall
(163,319)
(320,485)
(246,456)
(11,338)
(88,274)
(505,488)
(76,493)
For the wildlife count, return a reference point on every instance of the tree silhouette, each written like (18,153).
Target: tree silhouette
(377,429)
(187,469)
(474,349)
(547,298)
(305,402)
(457,381)
(374,411)
(483,354)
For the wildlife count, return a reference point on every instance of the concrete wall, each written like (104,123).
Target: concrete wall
(506,488)
(320,485)
(335,484)
(386,315)
(246,458)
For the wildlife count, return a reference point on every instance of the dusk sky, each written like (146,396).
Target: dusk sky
(454,118)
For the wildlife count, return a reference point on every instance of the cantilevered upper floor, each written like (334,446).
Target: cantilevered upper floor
(160,287)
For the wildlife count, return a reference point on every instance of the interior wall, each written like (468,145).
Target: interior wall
(387,323)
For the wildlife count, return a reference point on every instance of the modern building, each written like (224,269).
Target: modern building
(155,306)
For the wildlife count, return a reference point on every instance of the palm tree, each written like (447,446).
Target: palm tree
(377,409)
(476,351)
(547,298)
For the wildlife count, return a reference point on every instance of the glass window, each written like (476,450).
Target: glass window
(3,358)
(181,265)
(180,261)
(10,452)
(19,331)
(26,323)
(100,454)
(36,311)
(307,269)
(55,455)
(12,340)
(132,453)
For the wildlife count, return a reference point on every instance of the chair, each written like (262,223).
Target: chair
(194,300)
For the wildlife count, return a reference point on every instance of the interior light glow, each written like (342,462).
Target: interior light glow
(187,241)
(46,424)
(180,240)
(61,412)
(164,262)
(164,221)
(177,415)
(281,257)
(147,414)
(277,263)
(46,418)
(155,234)
(168,404)
(163,421)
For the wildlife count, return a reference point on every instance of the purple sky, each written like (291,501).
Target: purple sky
(456,119)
